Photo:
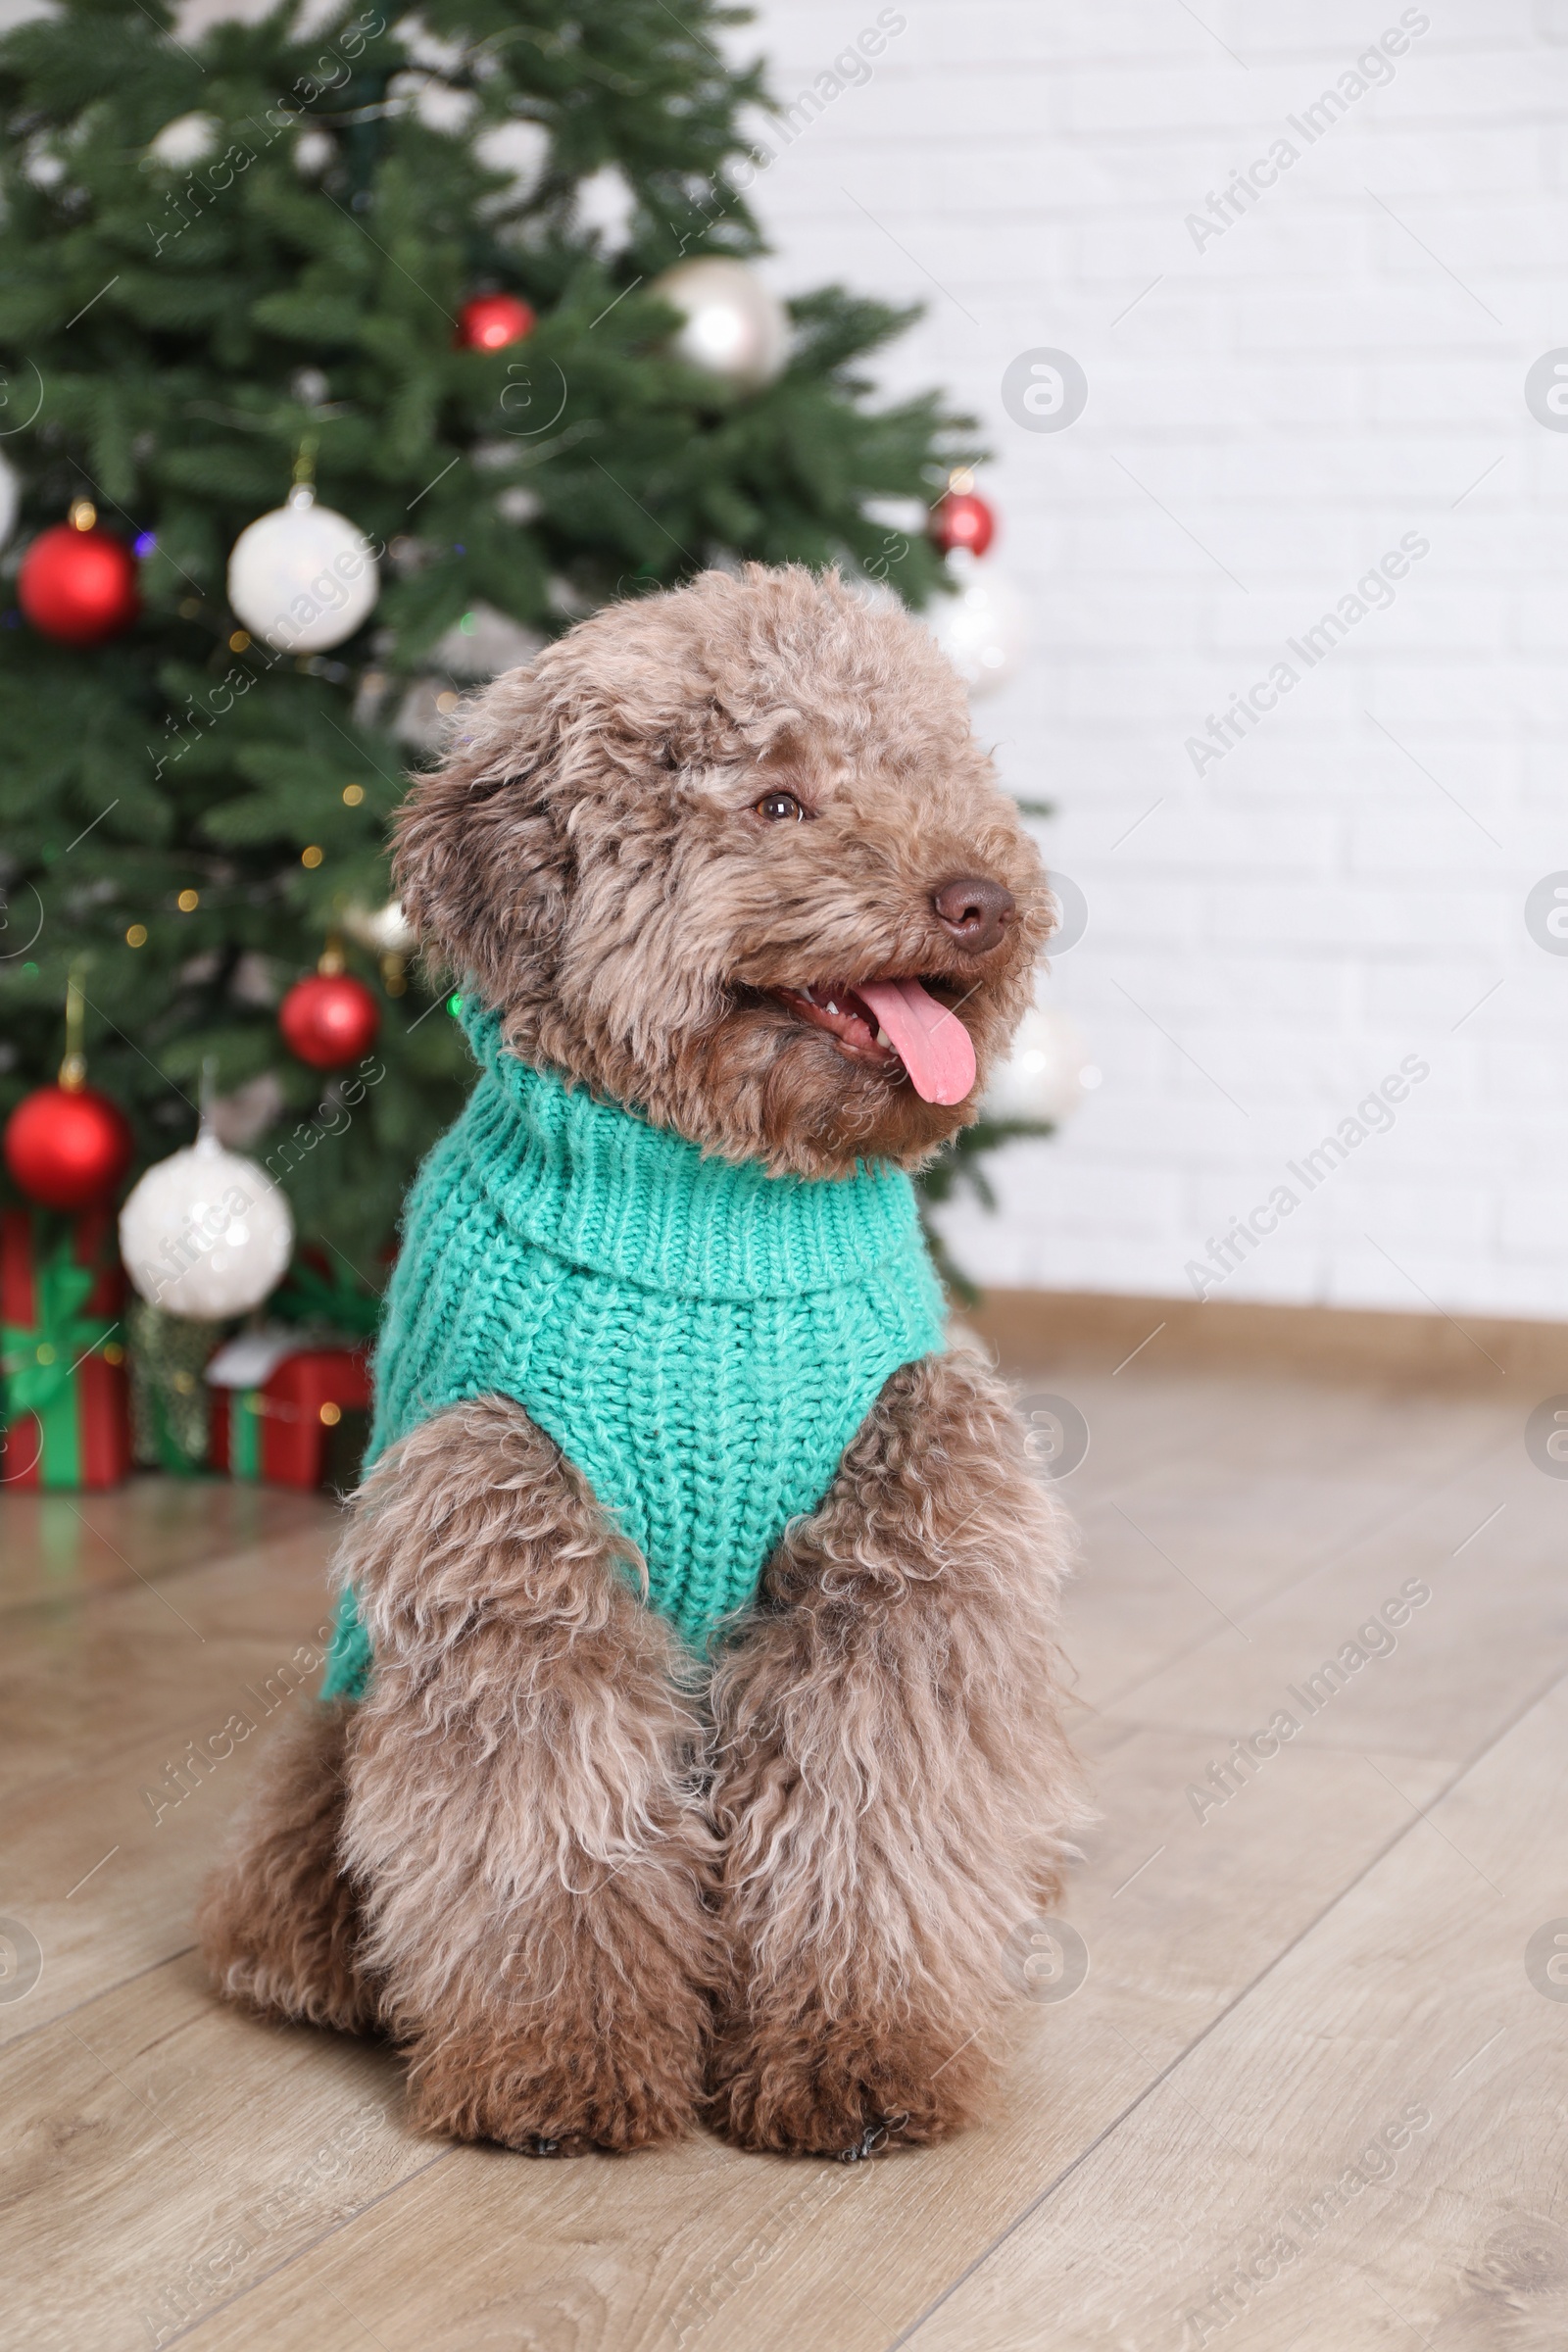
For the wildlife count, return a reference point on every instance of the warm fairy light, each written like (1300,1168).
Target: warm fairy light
(353,795)
(188,900)
(240,641)
(311,856)
(446,702)
(136,936)
(961,481)
(83,514)
(331,1416)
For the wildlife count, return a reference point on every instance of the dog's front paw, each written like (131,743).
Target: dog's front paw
(844,2088)
(560,2087)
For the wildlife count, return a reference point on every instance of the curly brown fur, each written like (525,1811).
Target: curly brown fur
(661,852)
(522,1816)
(591,859)
(278,1923)
(894,1788)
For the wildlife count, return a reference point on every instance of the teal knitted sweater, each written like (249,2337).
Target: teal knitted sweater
(702,1339)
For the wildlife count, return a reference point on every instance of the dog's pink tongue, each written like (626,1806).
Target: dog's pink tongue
(932,1042)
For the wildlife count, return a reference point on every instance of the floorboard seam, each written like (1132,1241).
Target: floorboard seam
(45,2025)
(908,2334)
(1335,1549)
(200,1564)
(286,2262)
(29,1792)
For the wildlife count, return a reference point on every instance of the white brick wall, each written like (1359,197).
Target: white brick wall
(1325,375)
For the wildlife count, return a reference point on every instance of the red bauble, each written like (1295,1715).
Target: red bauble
(490,322)
(68,1147)
(79,586)
(961,519)
(329,1019)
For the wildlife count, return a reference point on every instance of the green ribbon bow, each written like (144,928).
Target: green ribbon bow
(39,1361)
(337,1301)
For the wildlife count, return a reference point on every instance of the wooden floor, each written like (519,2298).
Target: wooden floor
(1311,2094)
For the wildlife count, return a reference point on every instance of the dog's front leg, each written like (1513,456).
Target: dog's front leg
(893,1783)
(521,1822)
(279,1922)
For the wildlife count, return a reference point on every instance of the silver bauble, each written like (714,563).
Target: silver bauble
(1048,1074)
(735,327)
(984,629)
(206,1233)
(385,930)
(302,578)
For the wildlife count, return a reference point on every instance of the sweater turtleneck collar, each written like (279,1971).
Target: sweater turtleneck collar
(595,1184)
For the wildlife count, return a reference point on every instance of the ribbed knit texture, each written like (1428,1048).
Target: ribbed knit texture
(701,1340)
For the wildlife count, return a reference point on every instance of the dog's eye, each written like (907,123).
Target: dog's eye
(779,808)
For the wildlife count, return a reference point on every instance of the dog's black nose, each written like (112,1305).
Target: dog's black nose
(976,912)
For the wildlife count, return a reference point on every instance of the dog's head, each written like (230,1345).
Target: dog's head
(731,855)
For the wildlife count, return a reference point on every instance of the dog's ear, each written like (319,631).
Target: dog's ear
(480,862)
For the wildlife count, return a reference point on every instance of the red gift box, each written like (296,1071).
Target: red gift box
(66,1399)
(277,1423)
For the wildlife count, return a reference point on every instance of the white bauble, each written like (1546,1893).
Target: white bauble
(520,149)
(484,643)
(424,719)
(735,327)
(1048,1074)
(42,165)
(984,629)
(185,141)
(313,150)
(605,206)
(432,99)
(302,578)
(385,930)
(9,498)
(206,1233)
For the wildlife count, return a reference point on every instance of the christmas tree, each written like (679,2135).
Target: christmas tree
(364,263)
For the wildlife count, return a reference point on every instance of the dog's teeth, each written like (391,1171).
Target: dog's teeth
(832,1008)
(882,1037)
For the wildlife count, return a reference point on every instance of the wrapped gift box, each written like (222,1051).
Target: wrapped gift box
(67,1410)
(293,1414)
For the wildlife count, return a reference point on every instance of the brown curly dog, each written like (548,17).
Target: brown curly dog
(729,857)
